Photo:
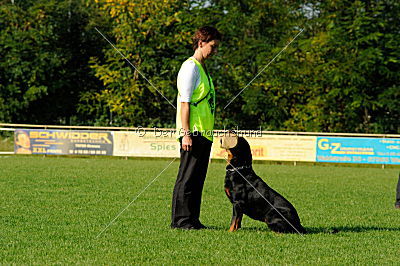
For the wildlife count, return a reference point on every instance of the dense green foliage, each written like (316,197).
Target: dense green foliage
(53,208)
(341,74)
(45,47)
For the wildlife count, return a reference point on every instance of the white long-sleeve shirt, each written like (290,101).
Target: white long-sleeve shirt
(188,80)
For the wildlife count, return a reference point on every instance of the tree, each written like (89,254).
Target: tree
(155,37)
(349,68)
(45,48)
(340,75)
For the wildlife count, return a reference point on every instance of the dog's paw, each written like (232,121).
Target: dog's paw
(234,228)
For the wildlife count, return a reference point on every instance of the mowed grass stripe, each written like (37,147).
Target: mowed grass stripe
(53,208)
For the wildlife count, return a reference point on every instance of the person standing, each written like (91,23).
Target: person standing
(194,126)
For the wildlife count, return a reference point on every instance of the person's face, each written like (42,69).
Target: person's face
(209,48)
(23,140)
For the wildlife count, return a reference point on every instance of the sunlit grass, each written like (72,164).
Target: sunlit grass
(53,208)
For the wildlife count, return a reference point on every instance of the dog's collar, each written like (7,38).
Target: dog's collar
(238,168)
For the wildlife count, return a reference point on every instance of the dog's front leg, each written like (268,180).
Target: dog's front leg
(237,216)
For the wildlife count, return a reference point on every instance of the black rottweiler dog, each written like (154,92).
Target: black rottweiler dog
(250,195)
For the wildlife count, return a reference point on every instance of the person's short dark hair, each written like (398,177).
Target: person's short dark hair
(205,34)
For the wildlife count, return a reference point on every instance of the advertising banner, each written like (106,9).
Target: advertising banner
(146,144)
(162,143)
(276,148)
(358,150)
(62,142)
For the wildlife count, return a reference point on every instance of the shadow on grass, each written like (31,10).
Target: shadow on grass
(243,229)
(347,229)
(315,230)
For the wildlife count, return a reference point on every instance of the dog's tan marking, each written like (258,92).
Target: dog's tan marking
(236,224)
(230,156)
(232,228)
(227,192)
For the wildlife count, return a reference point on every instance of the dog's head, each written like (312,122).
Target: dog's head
(239,152)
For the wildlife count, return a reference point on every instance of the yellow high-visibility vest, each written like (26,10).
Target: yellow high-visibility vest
(202,107)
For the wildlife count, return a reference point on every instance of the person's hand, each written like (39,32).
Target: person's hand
(187,143)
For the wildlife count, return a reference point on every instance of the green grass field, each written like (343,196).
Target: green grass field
(53,208)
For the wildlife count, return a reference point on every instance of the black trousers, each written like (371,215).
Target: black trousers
(398,192)
(188,188)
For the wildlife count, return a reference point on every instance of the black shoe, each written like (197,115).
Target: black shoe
(201,226)
(186,227)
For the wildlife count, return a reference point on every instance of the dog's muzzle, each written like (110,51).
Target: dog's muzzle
(229,141)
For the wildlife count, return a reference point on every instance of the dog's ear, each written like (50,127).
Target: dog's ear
(229,141)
